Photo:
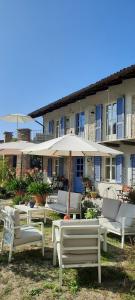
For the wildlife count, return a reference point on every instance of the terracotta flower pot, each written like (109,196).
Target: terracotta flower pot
(40,200)
(66,217)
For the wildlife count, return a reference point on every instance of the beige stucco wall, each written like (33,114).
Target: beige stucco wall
(87,105)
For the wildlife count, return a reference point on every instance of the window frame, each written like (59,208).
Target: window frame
(79,125)
(112,119)
(111,165)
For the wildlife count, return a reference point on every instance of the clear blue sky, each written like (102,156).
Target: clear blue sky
(49,48)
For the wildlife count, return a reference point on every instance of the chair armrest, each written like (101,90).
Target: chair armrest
(124,219)
(31,224)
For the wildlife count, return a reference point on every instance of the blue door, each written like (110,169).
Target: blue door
(78,175)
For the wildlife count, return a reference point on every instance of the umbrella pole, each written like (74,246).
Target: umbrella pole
(69,182)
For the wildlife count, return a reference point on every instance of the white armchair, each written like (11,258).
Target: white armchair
(15,235)
(77,244)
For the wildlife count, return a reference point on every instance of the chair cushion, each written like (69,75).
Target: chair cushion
(28,235)
(62,197)
(110,208)
(111,225)
(56,207)
(14,214)
(60,208)
(75,200)
(78,222)
(128,211)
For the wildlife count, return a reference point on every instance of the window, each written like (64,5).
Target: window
(67,125)
(79,167)
(57,167)
(110,169)
(35,162)
(111,118)
(51,127)
(80,122)
(57,128)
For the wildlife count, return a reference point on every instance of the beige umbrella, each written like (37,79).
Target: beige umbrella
(70,145)
(15,148)
(16,118)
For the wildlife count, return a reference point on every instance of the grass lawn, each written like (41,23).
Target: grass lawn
(30,276)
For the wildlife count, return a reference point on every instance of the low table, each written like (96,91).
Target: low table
(28,210)
(56,224)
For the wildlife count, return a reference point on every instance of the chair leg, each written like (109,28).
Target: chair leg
(122,241)
(60,276)
(54,255)
(43,249)
(105,242)
(10,253)
(99,274)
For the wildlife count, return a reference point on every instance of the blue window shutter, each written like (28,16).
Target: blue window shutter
(77,123)
(97,168)
(62,126)
(99,109)
(119,168)
(133,168)
(120,117)
(61,166)
(49,173)
(82,121)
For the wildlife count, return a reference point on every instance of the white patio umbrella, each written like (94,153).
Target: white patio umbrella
(16,118)
(14,148)
(70,145)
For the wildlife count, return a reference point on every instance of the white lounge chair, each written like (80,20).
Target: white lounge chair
(118,218)
(15,235)
(77,245)
(60,203)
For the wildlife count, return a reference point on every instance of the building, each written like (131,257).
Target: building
(103,112)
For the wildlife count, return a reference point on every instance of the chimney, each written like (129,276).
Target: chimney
(8,136)
(24,134)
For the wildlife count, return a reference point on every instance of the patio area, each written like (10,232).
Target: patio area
(30,276)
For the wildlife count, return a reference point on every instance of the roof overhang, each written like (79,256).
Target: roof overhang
(104,84)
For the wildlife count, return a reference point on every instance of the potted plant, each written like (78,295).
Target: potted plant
(40,191)
(17,185)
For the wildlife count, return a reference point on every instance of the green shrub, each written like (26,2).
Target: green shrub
(5,172)
(39,188)
(21,198)
(87,204)
(17,200)
(17,184)
(92,213)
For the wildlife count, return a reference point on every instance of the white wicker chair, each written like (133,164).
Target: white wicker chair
(15,235)
(77,245)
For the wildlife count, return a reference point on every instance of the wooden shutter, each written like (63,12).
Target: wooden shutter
(77,123)
(61,166)
(97,168)
(133,168)
(120,117)
(82,122)
(99,109)
(119,168)
(49,173)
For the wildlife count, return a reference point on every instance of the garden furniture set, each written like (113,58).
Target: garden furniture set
(76,243)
